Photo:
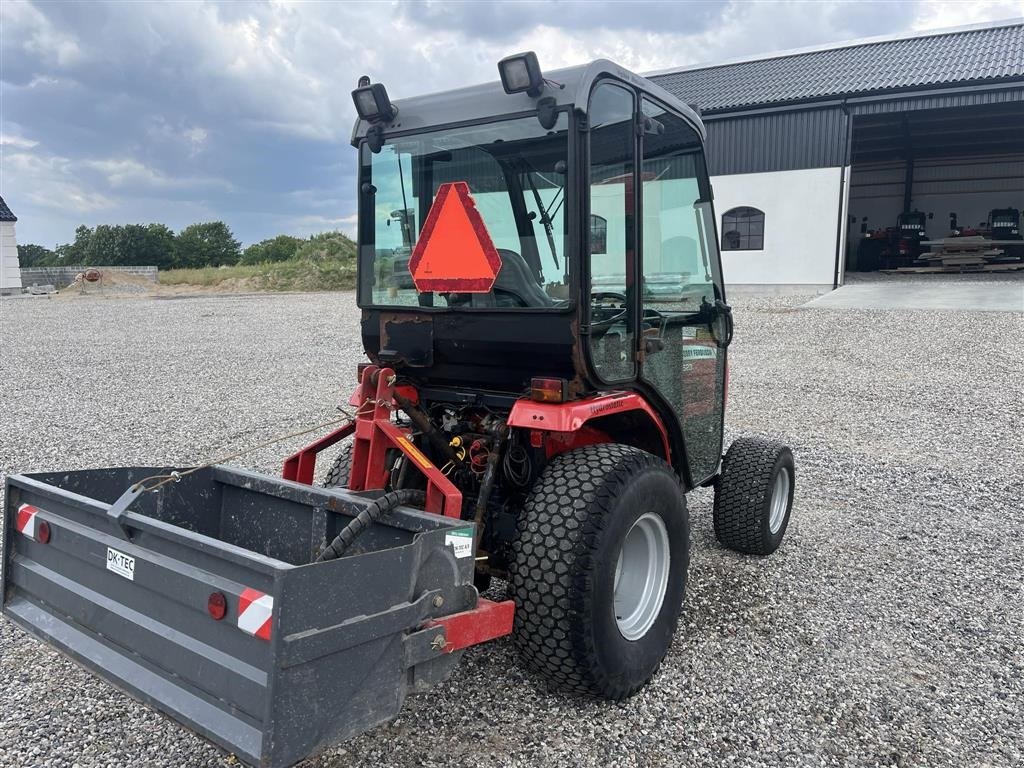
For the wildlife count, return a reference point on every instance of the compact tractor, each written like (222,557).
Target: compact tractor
(894,247)
(532,411)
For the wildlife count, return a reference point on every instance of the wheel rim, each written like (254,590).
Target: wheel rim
(641,576)
(780,500)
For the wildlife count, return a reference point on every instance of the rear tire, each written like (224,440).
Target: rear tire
(598,570)
(754,496)
(341,469)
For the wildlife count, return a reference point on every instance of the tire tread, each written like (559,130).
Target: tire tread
(551,571)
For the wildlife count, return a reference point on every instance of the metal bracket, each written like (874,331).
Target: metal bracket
(120,507)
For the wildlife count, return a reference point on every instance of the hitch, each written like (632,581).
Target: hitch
(375,433)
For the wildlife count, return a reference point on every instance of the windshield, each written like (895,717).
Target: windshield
(516,173)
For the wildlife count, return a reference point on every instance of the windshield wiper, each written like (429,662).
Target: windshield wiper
(545,219)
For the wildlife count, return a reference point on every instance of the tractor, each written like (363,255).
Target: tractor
(894,247)
(534,408)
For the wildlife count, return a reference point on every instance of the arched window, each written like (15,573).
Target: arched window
(743,229)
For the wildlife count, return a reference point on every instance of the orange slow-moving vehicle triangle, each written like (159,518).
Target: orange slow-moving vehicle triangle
(454,251)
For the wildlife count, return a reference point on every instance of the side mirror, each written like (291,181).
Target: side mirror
(722,326)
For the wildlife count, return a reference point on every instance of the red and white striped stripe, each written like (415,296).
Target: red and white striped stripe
(25,521)
(254,613)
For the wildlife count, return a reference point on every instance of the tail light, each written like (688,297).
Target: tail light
(43,532)
(548,390)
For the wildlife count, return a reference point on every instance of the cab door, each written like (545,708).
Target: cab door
(685,325)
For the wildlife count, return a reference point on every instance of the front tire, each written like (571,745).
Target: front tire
(341,469)
(754,496)
(599,569)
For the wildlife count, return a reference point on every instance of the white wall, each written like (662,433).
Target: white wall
(801,211)
(10,276)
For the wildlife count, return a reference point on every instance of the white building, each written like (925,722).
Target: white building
(10,272)
(810,149)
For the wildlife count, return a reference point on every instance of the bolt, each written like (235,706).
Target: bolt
(438,643)
(438,601)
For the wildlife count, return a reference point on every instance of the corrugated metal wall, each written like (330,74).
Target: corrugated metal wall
(815,138)
(777,141)
(999,175)
(938,101)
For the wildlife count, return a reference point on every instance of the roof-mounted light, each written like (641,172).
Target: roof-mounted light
(521,73)
(372,103)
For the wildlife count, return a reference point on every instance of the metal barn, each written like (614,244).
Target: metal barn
(812,150)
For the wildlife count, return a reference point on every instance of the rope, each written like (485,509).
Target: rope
(174,477)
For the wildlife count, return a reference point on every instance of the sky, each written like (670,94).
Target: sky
(177,112)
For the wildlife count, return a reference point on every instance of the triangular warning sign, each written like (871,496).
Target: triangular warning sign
(454,251)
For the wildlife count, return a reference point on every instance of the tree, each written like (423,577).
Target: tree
(31,255)
(101,248)
(280,248)
(327,246)
(208,244)
(160,244)
(74,253)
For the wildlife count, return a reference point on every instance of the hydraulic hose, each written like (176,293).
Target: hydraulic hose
(376,511)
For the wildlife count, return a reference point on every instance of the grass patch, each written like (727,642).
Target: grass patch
(298,274)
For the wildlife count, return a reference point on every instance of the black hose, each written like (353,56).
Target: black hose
(376,511)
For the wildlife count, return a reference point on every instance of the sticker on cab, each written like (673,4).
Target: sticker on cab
(461,541)
(121,564)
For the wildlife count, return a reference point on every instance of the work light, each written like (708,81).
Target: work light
(372,103)
(521,73)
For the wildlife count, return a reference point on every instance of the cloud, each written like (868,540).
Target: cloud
(126,172)
(49,181)
(18,142)
(937,15)
(27,27)
(241,111)
(312,224)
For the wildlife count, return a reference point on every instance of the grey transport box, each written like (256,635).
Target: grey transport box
(348,638)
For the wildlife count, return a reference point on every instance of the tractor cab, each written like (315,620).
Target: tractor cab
(561,229)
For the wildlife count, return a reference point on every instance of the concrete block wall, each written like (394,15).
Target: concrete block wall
(64,276)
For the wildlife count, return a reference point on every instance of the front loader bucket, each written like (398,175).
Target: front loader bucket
(204,601)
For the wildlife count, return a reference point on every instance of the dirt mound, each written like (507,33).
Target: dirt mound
(123,284)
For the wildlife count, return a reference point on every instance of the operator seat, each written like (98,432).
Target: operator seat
(515,286)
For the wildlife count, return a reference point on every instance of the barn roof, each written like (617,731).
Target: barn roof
(968,55)
(5,213)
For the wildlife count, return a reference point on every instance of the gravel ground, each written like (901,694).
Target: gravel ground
(886,631)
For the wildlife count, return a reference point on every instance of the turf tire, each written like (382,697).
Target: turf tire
(743,495)
(341,469)
(562,575)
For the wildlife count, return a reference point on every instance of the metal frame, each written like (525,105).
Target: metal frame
(375,434)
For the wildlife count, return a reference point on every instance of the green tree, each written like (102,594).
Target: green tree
(31,255)
(328,246)
(159,246)
(208,244)
(103,248)
(280,248)
(74,253)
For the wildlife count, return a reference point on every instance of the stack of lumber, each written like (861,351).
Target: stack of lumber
(963,254)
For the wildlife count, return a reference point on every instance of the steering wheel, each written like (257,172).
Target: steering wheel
(602,317)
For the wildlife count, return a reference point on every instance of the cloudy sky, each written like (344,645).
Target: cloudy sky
(178,112)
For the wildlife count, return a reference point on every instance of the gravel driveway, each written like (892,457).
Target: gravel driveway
(886,631)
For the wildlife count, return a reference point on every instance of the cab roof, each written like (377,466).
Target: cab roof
(477,103)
